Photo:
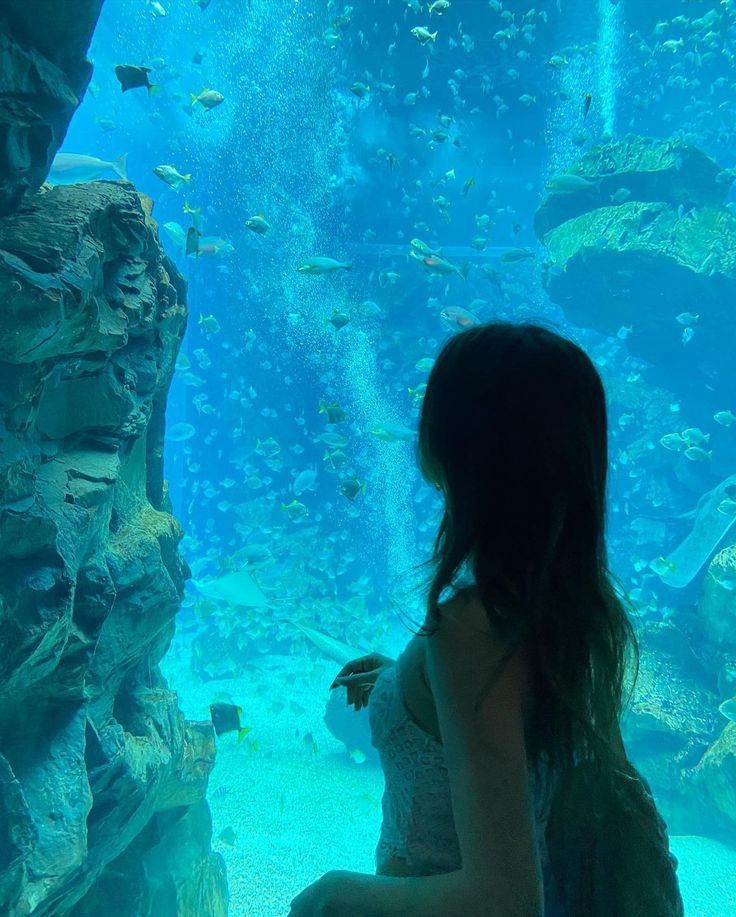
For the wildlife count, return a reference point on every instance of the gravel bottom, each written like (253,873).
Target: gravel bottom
(707,873)
(299,807)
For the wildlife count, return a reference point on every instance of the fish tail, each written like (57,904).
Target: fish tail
(242,733)
(434,37)
(154,89)
(465,270)
(194,98)
(120,166)
(187,177)
(348,265)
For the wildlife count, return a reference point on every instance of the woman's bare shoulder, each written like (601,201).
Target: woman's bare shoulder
(466,610)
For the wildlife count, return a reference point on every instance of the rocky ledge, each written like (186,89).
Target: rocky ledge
(102,781)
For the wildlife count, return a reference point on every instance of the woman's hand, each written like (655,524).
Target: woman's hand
(359,676)
(327,897)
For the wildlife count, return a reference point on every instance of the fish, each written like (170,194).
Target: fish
(334,649)
(177,234)
(587,102)
(571,184)
(458,319)
(208,99)
(209,324)
(192,241)
(258,224)
(180,433)
(725,418)
(433,264)
(295,510)
(697,454)
(132,77)
(172,178)
(514,255)
(422,249)
(674,442)
(72,168)
(320,265)
(694,436)
(351,487)
(423,35)
(391,432)
(226,718)
(335,413)
(339,319)
(661,566)
(305,480)
(227,836)
(237,588)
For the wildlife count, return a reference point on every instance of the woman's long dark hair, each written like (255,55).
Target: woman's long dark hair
(514,430)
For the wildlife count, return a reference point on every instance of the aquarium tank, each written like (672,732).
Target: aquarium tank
(234,236)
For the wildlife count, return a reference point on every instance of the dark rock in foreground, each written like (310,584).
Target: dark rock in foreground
(43,76)
(101,778)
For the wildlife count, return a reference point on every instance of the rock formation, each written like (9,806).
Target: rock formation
(96,759)
(43,75)
(637,234)
(102,781)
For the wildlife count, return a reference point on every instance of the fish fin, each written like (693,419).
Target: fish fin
(154,89)
(120,166)
(242,733)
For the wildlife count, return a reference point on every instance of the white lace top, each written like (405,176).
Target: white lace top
(418,823)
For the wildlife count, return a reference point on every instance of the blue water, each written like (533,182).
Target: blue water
(453,143)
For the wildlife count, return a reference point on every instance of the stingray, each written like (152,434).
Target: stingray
(332,648)
(710,529)
(237,588)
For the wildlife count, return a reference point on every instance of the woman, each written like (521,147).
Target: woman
(507,703)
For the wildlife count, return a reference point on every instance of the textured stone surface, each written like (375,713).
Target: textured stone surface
(43,76)
(717,609)
(669,248)
(649,169)
(95,758)
(642,264)
(714,780)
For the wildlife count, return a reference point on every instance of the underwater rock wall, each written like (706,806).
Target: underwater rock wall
(637,233)
(102,781)
(44,73)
